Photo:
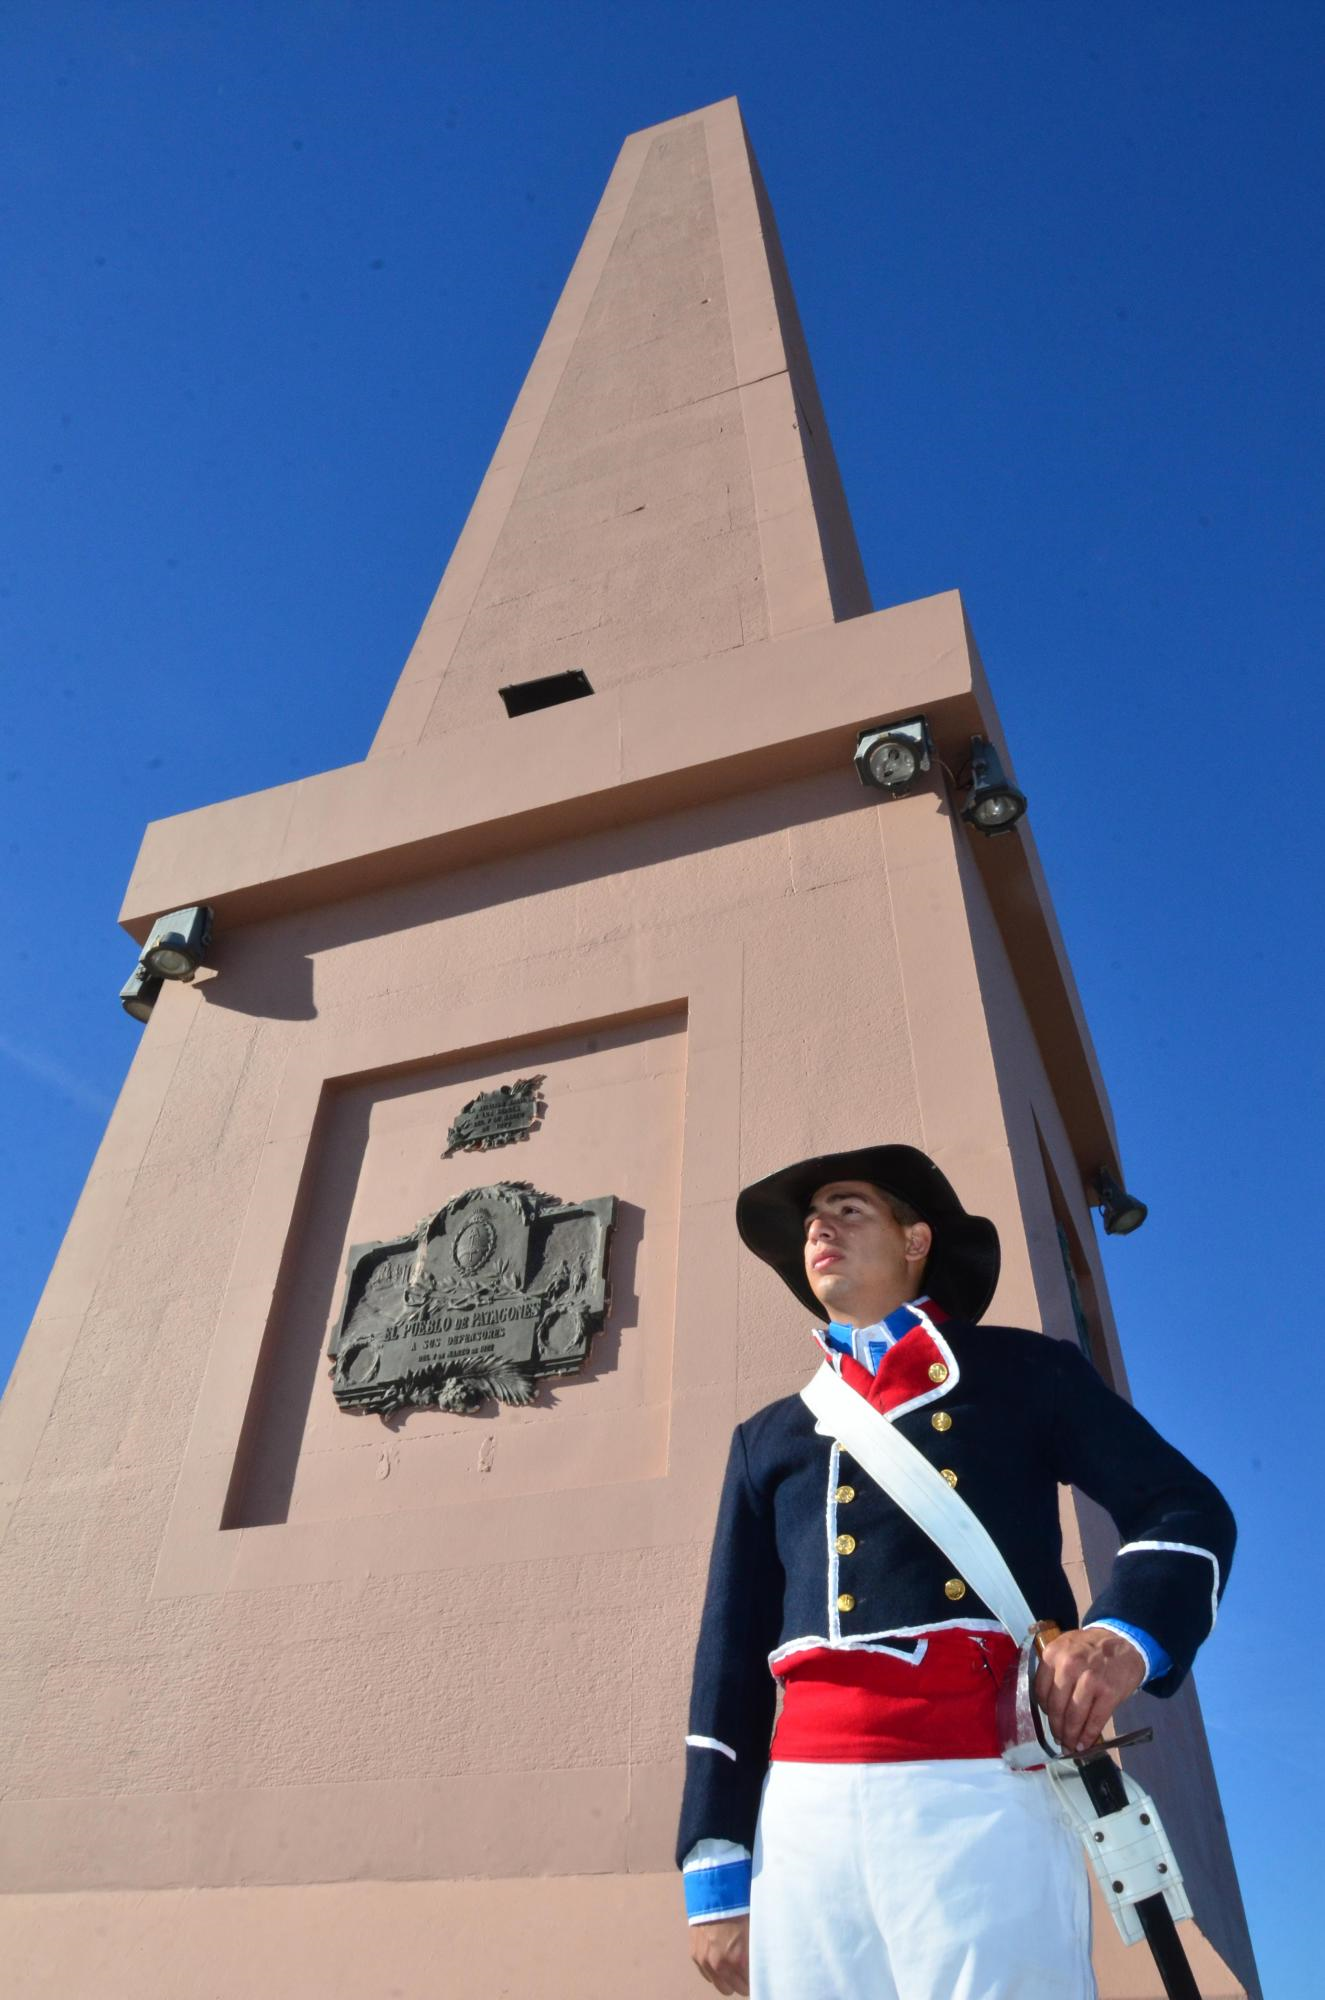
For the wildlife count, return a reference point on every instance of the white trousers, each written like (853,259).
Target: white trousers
(927,1881)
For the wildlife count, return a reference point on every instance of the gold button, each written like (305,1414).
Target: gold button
(937,1372)
(954,1588)
(844,1494)
(845,1545)
(846,1602)
(946,1472)
(941,1420)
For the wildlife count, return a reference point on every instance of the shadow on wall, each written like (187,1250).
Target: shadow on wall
(269,986)
(266,969)
(623,1311)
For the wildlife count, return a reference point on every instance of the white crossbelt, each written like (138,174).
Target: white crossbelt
(908,1478)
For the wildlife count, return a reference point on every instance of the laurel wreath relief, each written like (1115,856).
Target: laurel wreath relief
(460,1381)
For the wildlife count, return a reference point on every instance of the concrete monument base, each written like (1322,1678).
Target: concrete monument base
(490,1940)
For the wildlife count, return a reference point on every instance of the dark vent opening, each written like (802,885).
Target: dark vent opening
(525,696)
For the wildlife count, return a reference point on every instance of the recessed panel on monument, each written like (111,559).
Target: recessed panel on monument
(503,1305)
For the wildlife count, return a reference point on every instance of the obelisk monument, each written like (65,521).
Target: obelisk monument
(364,1672)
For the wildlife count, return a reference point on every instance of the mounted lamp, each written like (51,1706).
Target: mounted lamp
(1120,1212)
(178,942)
(175,948)
(892,759)
(993,803)
(138,993)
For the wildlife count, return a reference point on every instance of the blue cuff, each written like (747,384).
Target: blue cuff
(720,1891)
(1157,1660)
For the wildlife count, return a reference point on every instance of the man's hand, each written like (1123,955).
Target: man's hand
(721,1950)
(1081,1680)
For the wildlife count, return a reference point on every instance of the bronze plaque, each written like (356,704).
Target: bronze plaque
(498,1288)
(496,1117)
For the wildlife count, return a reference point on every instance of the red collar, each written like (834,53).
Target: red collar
(918,1368)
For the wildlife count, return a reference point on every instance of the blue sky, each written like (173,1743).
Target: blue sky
(273,275)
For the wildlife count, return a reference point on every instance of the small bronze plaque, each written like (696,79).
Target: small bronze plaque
(496,1117)
(500,1287)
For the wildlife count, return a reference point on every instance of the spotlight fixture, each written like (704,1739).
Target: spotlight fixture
(138,993)
(176,946)
(892,759)
(993,804)
(1120,1212)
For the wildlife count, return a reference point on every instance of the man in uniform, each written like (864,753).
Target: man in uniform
(894,1854)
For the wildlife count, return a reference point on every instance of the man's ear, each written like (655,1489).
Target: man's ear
(919,1239)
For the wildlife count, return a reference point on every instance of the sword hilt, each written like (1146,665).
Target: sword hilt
(1044,1632)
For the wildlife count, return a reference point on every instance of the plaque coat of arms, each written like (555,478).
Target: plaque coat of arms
(501,1286)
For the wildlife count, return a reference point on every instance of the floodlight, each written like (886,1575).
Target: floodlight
(1120,1212)
(177,943)
(892,759)
(138,993)
(993,804)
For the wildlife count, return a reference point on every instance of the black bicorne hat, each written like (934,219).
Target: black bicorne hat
(962,1268)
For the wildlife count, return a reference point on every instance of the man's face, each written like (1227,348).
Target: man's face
(859,1261)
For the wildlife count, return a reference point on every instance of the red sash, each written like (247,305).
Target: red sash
(851,1707)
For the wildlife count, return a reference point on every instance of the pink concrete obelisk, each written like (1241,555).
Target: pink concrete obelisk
(296,1702)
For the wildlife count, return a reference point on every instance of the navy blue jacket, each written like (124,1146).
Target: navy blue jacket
(1015,1415)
